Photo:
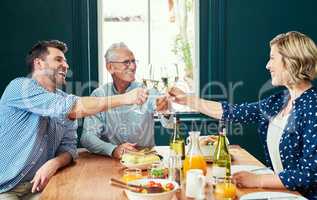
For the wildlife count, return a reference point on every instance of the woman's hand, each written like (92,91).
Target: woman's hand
(247,180)
(179,96)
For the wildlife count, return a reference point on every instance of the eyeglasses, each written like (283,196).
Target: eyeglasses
(126,62)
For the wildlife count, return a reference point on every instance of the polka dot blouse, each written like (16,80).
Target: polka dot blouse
(298,144)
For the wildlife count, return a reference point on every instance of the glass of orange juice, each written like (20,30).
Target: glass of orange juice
(131,174)
(225,189)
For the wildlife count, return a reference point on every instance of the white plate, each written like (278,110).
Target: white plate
(250,168)
(268,195)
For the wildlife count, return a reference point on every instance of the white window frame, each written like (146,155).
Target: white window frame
(101,60)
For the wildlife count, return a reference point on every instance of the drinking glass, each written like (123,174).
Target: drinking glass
(148,82)
(157,170)
(131,174)
(225,189)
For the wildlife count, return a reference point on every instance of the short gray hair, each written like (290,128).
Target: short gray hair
(111,54)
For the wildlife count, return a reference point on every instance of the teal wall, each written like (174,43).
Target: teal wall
(25,22)
(234,36)
(234,39)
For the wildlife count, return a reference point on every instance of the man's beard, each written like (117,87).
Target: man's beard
(55,77)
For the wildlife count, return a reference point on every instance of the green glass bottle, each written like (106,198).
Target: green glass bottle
(222,160)
(177,142)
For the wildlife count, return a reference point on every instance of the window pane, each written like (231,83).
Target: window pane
(160,33)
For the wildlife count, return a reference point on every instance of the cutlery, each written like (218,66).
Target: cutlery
(126,187)
(116,181)
(135,188)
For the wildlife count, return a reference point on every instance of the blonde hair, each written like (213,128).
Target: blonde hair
(299,54)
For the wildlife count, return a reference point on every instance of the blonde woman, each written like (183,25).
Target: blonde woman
(287,120)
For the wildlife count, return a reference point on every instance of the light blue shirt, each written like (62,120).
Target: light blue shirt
(104,131)
(33,129)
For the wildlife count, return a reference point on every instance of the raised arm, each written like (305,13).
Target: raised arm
(238,113)
(86,106)
(26,94)
(210,108)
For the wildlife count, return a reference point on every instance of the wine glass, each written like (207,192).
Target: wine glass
(148,82)
(169,78)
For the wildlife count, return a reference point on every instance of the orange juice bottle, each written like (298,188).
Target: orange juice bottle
(195,162)
(194,159)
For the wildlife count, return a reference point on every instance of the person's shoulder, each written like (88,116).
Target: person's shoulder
(103,90)
(309,97)
(310,94)
(21,81)
(62,93)
(307,102)
(136,84)
(276,98)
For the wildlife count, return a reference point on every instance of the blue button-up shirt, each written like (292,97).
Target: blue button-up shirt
(104,131)
(33,128)
(298,144)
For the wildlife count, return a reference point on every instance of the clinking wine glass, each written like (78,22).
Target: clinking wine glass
(148,82)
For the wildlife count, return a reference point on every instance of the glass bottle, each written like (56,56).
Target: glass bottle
(222,160)
(177,142)
(175,167)
(194,158)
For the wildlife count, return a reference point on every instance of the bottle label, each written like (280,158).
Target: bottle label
(218,172)
(178,147)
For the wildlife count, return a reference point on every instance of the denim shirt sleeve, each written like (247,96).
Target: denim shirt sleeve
(304,175)
(27,94)
(69,140)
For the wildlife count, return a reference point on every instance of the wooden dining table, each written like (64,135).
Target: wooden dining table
(88,178)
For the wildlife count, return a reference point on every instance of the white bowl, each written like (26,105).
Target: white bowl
(152,196)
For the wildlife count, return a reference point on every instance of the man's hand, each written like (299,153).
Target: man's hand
(247,180)
(137,96)
(43,175)
(178,95)
(162,103)
(119,150)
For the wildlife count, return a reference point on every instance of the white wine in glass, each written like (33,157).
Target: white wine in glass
(150,83)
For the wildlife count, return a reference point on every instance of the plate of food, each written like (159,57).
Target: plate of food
(142,159)
(153,189)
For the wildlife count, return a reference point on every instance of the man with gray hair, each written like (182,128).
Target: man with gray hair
(112,132)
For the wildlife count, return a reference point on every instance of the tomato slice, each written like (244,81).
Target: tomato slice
(170,186)
(150,183)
